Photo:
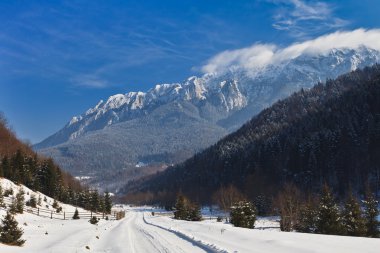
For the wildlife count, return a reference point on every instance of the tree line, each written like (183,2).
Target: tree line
(46,177)
(317,213)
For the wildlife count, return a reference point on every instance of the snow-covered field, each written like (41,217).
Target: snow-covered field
(141,232)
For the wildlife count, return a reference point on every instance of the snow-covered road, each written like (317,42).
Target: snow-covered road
(134,235)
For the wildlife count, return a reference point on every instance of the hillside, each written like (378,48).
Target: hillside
(170,122)
(330,133)
(21,165)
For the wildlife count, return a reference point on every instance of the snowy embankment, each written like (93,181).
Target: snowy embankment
(226,238)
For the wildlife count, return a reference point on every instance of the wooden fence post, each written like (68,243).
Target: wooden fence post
(64,215)
(51,215)
(91,214)
(38,211)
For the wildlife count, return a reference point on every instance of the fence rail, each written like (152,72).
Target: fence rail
(64,215)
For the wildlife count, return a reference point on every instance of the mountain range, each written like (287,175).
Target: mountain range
(329,134)
(131,135)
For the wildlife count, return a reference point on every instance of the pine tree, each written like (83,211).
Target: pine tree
(94,201)
(107,202)
(39,200)
(33,201)
(55,204)
(10,234)
(186,210)
(6,167)
(20,201)
(181,211)
(2,204)
(13,206)
(370,213)
(328,217)
(243,214)
(353,220)
(76,215)
(195,213)
(306,221)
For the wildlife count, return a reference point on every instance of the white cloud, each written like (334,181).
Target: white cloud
(301,18)
(260,55)
(92,81)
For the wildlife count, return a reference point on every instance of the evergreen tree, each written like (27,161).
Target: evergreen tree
(107,202)
(13,206)
(39,200)
(186,210)
(306,221)
(243,214)
(195,213)
(33,201)
(55,204)
(94,201)
(181,211)
(370,213)
(10,234)
(2,204)
(94,220)
(6,167)
(76,215)
(328,217)
(20,201)
(353,220)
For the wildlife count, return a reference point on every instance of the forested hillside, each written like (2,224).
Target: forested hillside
(22,165)
(328,134)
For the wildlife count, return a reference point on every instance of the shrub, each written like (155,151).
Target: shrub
(243,214)
(76,215)
(94,220)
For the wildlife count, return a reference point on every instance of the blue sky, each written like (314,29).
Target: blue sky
(58,58)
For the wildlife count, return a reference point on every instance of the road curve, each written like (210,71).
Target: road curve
(133,235)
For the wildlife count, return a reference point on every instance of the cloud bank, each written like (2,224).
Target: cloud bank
(260,55)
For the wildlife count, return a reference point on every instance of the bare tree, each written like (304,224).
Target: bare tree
(288,203)
(225,197)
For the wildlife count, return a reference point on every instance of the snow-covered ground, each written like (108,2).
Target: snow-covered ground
(141,232)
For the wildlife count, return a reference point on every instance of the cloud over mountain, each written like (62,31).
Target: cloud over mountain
(259,56)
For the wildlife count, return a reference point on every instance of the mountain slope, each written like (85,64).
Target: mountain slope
(171,122)
(330,134)
(21,165)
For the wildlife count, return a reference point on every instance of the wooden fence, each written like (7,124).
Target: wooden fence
(64,215)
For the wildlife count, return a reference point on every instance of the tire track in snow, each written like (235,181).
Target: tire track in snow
(210,248)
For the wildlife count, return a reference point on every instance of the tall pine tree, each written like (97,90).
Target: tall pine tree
(20,201)
(2,204)
(107,202)
(353,220)
(370,213)
(329,220)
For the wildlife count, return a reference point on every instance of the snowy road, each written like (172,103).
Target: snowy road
(134,235)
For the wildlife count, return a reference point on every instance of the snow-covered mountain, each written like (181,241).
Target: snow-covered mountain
(194,113)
